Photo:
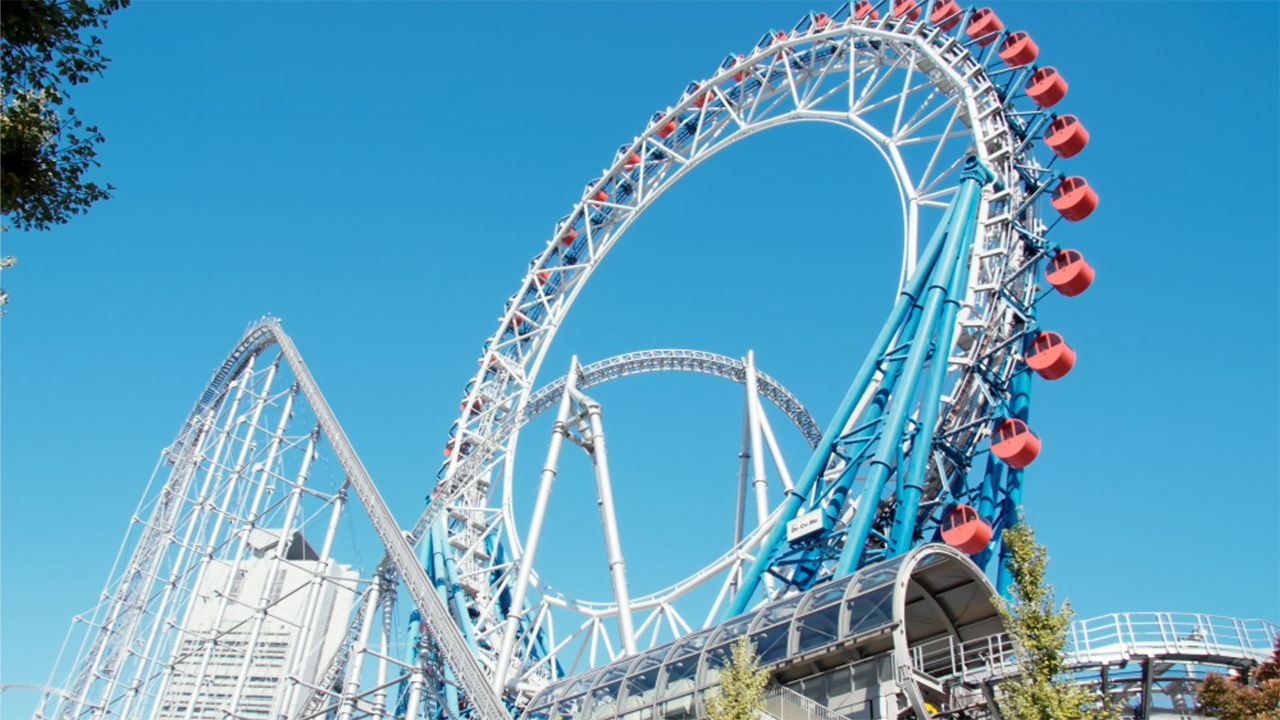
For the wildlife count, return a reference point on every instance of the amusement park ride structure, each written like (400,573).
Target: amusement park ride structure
(928,445)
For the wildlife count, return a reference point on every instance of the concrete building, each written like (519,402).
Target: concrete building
(225,614)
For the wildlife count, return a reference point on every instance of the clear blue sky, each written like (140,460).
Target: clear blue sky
(378,175)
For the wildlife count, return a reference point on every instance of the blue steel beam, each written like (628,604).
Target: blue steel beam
(822,454)
(1011,511)
(972,178)
(911,485)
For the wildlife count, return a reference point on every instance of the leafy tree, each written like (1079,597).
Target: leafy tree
(46,47)
(1039,631)
(1244,697)
(742,684)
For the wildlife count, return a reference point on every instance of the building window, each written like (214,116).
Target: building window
(277,587)
(238,584)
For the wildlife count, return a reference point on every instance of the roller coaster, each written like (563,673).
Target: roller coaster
(867,582)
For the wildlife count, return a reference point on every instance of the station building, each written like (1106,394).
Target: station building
(856,647)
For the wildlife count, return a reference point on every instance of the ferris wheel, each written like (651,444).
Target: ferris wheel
(239,547)
(965,117)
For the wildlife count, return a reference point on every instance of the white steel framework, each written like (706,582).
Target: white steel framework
(926,98)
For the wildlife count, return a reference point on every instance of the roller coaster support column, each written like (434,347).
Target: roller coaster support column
(959,229)
(558,432)
(450,593)
(613,545)
(822,455)
(912,484)
(744,467)
(759,480)
(1011,508)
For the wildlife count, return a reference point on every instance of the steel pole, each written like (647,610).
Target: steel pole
(558,432)
(613,545)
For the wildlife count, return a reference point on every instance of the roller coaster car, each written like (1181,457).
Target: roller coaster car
(965,531)
(1014,443)
(1050,356)
(1066,136)
(1068,273)
(1018,49)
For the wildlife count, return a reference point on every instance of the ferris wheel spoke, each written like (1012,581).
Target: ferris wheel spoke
(819,80)
(915,121)
(937,150)
(877,82)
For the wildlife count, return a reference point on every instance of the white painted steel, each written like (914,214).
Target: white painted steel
(924,101)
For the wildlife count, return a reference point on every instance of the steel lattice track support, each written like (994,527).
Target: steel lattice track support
(608,370)
(221,585)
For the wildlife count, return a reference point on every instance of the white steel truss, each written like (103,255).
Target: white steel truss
(240,473)
(223,608)
(926,99)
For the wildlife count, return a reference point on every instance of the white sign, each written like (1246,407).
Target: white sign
(807,524)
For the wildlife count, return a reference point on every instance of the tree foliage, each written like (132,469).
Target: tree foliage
(46,47)
(1039,631)
(742,684)
(1251,696)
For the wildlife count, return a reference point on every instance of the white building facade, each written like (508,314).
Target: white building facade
(253,624)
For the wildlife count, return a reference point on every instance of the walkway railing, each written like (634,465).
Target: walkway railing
(1113,637)
(1110,638)
(783,703)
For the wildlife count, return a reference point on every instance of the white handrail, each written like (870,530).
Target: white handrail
(1110,638)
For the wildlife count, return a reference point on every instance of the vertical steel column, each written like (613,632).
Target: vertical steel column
(457,601)
(972,179)
(451,594)
(384,652)
(549,469)
(273,572)
(992,477)
(613,546)
(759,481)
(912,481)
(352,687)
(1011,507)
(744,466)
(242,533)
(298,655)
(740,514)
(817,463)
(772,442)
(416,681)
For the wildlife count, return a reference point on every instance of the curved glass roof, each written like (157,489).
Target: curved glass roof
(666,678)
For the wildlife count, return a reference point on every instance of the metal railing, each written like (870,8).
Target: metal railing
(783,703)
(1121,635)
(1110,638)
